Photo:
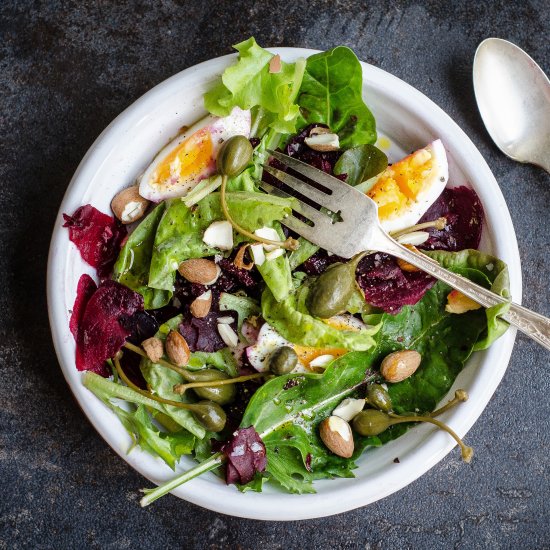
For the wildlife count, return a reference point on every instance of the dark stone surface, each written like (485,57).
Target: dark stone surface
(67,69)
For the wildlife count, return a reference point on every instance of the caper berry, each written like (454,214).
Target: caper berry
(234,156)
(332,291)
(210,415)
(379,398)
(283,360)
(371,422)
(219,394)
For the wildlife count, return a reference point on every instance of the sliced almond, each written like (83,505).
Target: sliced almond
(228,335)
(415,238)
(399,365)
(459,303)
(177,349)
(219,235)
(323,142)
(336,434)
(200,306)
(318,130)
(349,408)
(128,205)
(199,270)
(154,348)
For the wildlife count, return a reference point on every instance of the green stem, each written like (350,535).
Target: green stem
(130,384)
(164,363)
(460,396)
(181,388)
(206,466)
(440,224)
(467,452)
(289,244)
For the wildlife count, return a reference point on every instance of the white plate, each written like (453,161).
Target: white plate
(126,147)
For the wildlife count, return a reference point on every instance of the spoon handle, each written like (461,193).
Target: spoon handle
(532,324)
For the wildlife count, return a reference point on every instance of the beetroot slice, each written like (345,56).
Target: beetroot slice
(202,334)
(97,236)
(100,334)
(86,287)
(245,453)
(464,212)
(387,287)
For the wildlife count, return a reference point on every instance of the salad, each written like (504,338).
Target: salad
(211,330)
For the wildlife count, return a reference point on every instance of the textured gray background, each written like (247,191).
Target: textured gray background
(67,69)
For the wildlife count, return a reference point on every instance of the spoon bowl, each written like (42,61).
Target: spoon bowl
(513,97)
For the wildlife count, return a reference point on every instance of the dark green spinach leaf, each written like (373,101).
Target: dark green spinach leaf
(332,94)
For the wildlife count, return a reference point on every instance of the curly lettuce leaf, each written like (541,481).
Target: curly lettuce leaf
(332,94)
(180,231)
(134,261)
(249,84)
(290,318)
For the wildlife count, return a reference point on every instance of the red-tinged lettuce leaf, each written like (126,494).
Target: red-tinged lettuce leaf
(246,455)
(386,286)
(464,213)
(100,334)
(97,236)
(202,334)
(84,291)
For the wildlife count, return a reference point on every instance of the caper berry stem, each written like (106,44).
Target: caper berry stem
(148,394)
(460,396)
(163,362)
(289,244)
(181,388)
(467,452)
(440,224)
(206,466)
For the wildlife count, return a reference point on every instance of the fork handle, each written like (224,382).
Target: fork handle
(532,324)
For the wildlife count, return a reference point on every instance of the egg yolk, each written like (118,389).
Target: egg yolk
(401,183)
(192,158)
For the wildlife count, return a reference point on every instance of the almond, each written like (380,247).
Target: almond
(275,64)
(400,365)
(406,266)
(177,349)
(154,348)
(460,303)
(199,270)
(323,142)
(128,205)
(336,434)
(200,307)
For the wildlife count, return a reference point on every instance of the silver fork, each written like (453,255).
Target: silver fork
(358,229)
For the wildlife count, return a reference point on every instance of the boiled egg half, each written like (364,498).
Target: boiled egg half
(406,189)
(191,156)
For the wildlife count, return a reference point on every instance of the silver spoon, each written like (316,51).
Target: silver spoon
(513,96)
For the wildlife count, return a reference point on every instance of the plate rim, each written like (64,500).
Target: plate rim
(308,506)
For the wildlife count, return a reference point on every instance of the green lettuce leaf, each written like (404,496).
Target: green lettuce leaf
(332,94)
(491,273)
(180,231)
(250,84)
(168,446)
(290,318)
(286,416)
(244,306)
(134,261)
